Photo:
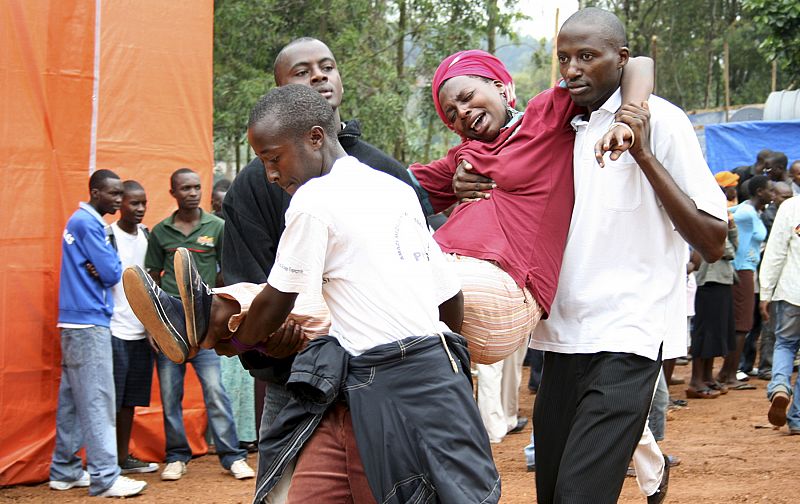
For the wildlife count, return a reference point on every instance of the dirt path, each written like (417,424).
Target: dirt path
(729,455)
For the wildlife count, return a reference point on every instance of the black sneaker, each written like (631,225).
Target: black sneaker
(134,465)
(160,313)
(195,296)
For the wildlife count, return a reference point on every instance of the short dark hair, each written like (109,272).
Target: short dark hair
(296,109)
(763,154)
(778,158)
(176,173)
(99,177)
(131,186)
(296,41)
(757,183)
(221,185)
(604,22)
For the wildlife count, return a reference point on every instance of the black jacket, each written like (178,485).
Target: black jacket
(417,426)
(254,221)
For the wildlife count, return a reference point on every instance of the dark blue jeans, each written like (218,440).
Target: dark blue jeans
(220,415)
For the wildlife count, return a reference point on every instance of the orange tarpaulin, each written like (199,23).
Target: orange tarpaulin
(86,85)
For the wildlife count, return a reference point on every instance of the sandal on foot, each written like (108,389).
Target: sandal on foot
(742,386)
(703,393)
(715,385)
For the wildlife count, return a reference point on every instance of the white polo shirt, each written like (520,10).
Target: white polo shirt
(623,279)
(360,234)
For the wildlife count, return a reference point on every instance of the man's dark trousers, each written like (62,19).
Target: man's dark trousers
(589,415)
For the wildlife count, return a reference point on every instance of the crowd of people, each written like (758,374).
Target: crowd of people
(328,252)
(744,301)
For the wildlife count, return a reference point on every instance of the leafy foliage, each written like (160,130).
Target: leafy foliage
(689,39)
(780,20)
(388,50)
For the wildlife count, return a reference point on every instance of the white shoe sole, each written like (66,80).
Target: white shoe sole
(130,492)
(68,485)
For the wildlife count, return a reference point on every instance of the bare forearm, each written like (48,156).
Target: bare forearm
(706,234)
(266,314)
(156,276)
(637,80)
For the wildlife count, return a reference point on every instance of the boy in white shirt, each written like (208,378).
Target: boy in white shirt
(360,237)
(131,346)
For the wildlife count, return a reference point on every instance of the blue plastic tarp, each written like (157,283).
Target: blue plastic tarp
(729,145)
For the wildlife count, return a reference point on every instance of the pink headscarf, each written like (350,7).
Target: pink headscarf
(472,62)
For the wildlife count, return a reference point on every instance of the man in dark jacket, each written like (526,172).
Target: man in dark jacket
(254,208)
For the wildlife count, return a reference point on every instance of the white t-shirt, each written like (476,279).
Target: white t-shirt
(623,278)
(131,249)
(361,235)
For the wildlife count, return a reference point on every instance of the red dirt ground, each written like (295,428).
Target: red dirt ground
(730,455)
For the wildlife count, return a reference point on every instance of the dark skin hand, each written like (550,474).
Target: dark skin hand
(763,307)
(91,269)
(266,315)
(694,262)
(287,340)
(706,234)
(470,186)
(616,141)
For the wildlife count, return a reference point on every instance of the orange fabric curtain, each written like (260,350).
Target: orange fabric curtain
(152,114)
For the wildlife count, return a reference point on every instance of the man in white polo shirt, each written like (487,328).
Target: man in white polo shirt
(621,288)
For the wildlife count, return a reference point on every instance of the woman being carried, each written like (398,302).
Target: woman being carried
(507,248)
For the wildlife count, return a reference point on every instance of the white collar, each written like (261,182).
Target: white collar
(610,106)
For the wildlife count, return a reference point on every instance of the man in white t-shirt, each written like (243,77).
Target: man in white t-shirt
(623,273)
(360,236)
(131,346)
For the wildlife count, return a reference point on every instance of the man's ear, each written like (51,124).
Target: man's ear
(624,56)
(316,137)
(94,193)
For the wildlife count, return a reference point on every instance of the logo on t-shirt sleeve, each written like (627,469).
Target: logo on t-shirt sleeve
(411,239)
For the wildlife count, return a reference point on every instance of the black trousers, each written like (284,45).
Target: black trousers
(589,415)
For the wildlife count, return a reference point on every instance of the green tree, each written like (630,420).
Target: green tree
(387,51)
(779,20)
(689,37)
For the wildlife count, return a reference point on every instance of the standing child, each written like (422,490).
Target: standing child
(133,357)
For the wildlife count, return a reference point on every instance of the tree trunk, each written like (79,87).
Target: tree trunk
(491,26)
(402,21)
(710,34)
(238,155)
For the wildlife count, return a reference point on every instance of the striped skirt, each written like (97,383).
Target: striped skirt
(498,315)
(310,310)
